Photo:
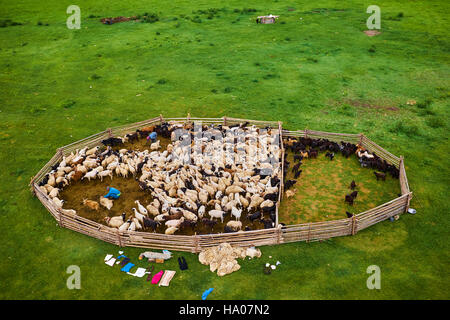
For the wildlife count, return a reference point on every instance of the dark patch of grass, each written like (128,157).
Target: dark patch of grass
(37,109)
(311,59)
(324,10)
(8,22)
(68,104)
(162,81)
(227,90)
(270,76)
(347,110)
(94,77)
(150,18)
(403,127)
(424,104)
(435,122)
(372,49)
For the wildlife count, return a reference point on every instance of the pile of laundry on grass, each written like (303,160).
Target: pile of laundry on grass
(162,277)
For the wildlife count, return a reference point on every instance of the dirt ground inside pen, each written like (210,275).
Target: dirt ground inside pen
(323,184)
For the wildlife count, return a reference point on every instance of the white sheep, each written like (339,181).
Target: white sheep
(105,173)
(138,215)
(174,222)
(125,226)
(90,175)
(107,203)
(54,193)
(92,151)
(189,215)
(70,212)
(141,208)
(216,214)
(201,211)
(155,146)
(58,203)
(152,209)
(137,223)
(171,230)
(235,225)
(115,222)
(160,217)
(236,212)
(132,226)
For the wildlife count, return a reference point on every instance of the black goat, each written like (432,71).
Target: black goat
(271,196)
(289,184)
(380,175)
(296,167)
(209,223)
(227,229)
(349,199)
(150,223)
(297,174)
(188,223)
(313,153)
(132,137)
(267,224)
(112,142)
(330,155)
(254,216)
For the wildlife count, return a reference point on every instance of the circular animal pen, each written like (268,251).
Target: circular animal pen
(279,234)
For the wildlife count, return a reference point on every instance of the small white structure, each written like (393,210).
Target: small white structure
(267,19)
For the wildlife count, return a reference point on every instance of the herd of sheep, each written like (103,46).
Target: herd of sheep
(204,174)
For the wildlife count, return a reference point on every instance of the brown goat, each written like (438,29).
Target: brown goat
(93,205)
(77,176)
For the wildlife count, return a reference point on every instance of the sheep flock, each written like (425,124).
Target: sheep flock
(206,173)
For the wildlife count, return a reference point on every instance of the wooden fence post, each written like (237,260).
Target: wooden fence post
(361,136)
(196,250)
(278,234)
(161,118)
(354,225)
(309,232)
(109,132)
(119,237)
(306,133)
(60,220)
(409,201)
(224,121)
(32,186)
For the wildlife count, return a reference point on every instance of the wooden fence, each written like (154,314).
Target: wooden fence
(280,234)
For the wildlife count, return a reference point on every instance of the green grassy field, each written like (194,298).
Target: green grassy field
(319,72)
